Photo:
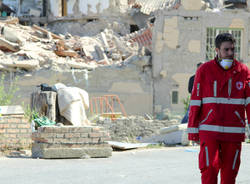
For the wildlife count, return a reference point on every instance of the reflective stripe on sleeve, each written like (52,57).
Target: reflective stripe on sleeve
(247,101)
(195,103)
(229,87)
(198,89)
(222,129)
(215,88)
(193,130)
(234,101)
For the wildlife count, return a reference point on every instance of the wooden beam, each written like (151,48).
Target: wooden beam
(65,53)
(46,32)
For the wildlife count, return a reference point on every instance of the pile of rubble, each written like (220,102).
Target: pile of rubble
(32,47)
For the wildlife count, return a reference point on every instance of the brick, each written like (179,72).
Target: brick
(104,139)
(95,140)
(95,135)
(24,125)
(40,129)
(72,140)
(104,134)
(69,135)
(58,135)
(50,140)
(48,129)
(84,135)
(73,129)
(77,135)
(23,135)
(57,130)
(97,129)
(15,141)
(84,140)
(85,129)
(13,120)
(47,135)
(36,134)
(11,135)
(13,125)
(12,131)
(24,120)
(23,131)
(65,130)
(4,125)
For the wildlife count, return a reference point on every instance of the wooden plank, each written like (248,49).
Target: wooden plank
(12,21)
(47,32)
(65,53)
(27,64)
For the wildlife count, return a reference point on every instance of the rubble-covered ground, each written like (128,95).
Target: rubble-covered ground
(32,47)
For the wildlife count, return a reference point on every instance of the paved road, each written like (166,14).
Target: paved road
(174,165)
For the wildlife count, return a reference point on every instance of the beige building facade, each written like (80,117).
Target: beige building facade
(184,37)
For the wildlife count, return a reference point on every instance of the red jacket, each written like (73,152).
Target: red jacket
(218,102)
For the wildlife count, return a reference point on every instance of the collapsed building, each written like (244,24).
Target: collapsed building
(142,51)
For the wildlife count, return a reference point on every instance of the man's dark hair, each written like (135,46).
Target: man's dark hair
(223,37)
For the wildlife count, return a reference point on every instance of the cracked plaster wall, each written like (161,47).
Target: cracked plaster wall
(179,40)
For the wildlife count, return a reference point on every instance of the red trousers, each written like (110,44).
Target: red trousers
(218,156)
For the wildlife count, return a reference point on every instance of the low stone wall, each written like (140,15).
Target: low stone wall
(70,142)
(15,132)
(132,129)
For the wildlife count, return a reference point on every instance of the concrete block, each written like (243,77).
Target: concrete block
(11,110)
(38,151)
(11,35)
(176,134)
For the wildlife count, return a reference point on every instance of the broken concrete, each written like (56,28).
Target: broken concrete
(133,128)
(5,45)
(176,134)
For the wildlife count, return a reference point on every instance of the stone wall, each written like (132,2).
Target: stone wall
(133,129)
(15,132)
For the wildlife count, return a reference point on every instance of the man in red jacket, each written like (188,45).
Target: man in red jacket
(220,97)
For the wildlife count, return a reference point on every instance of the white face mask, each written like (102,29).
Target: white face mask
(226,63)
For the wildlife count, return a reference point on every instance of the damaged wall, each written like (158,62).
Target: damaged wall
(179,43)
(85,7)
(27,7)
(133,86)
(81,27)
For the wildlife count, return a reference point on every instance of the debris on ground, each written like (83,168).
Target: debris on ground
(33,47)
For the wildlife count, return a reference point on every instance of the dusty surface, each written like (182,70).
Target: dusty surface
(173,165)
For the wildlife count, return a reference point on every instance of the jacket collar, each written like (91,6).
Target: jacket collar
(235,67)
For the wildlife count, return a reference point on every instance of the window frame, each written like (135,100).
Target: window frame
(172,95)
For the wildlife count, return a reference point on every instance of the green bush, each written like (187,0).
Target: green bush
(186,103)
(7,93)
